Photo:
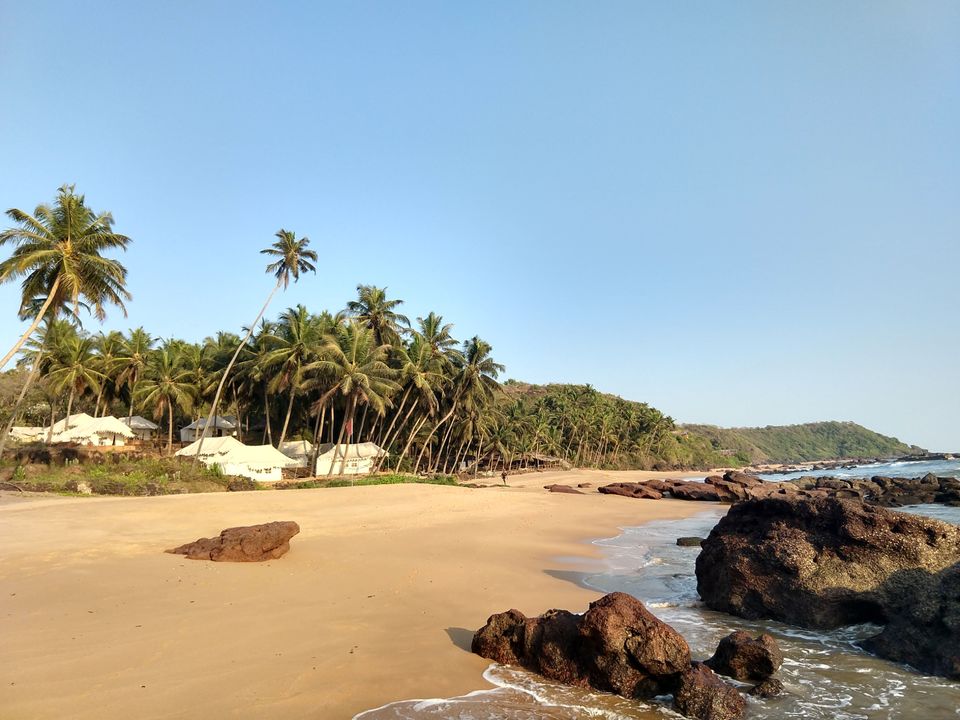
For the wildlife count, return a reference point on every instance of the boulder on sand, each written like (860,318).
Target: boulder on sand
(824,562)
(255,543)
(633,490)
(562,489)
(689,541)
(744,657)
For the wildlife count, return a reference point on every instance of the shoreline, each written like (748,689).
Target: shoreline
(375,603)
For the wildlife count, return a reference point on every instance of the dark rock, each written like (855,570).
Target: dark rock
(771,687)
(687,490)
(742,479)
(584,485)
(741,656)
(690,541)
(616,646)
(701,694)
(562,489)
(826,562)
(255,543)
(632,490)
(727,491)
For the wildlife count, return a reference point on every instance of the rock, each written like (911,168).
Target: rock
(255,543)
(824,562)
(616,646)
(741,656)
(84,488)
(702,695)
(687,490)
(727,491)
(632,490)
(691,541)
(661,486)
(563,489)
(771,687)
(739,478)
(584,485)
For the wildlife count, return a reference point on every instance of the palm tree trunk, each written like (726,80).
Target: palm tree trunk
(396,415)
(286,420)
(34,371)
(413,434)
(266,414)
(226,372)
(336,451)
(317,432)
(392,439)
(170,429)
(348,421)
(66,425)
(33,326)
(426,443)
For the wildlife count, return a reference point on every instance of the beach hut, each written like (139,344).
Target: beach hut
(355,459)
(258,462)
(142,428)
(221,427)
(299,450)
(106,430)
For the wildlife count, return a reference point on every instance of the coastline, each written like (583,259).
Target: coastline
(375,603)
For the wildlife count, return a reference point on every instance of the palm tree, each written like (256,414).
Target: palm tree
(75,371)
(292,258)
(295,346)
(58,251)
(359,374)
(108,347)
(379,314)
(166,386)
(134,354)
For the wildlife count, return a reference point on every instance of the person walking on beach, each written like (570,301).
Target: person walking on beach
(503,476)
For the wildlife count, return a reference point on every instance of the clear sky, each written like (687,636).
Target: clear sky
(743,213)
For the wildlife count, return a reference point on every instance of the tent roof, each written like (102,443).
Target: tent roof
(138,422)
(107,425)
(296,448)
(211,446)
(71,422)
(258,456)
(219,422)
(363,450)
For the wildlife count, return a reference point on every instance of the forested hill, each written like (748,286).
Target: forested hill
(802,443)
(588,428)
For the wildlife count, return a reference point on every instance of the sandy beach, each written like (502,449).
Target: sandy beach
(375,602)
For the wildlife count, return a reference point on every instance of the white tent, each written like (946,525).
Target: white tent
(258,462)
(222,426)
(299,450)
(142,428)
(28,434)
(73,421)
(360,458)
(106,430)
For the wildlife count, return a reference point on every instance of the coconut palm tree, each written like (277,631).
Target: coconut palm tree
(165,387)
(58,251)
(293,258)
(134,354)
(75,371)
(108,347)
(379,314)
(358,373)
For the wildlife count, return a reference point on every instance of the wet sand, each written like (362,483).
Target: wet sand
(375,602)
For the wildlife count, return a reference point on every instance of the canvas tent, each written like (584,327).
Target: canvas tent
(257,462)
(361,458)
(299,450)
(28,434)
(73,421)
(106,430)
(142,428)
(222,427)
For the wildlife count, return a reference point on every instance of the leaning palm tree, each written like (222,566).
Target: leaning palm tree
(292,258)
(58,251)
(165,387)
(75,372)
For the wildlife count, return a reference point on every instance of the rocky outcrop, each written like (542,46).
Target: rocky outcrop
(771,687)
(701,694)
(744,657)
(616,646)
(255,543)
(689,541)
(825,562)
(562,489)
(633,490)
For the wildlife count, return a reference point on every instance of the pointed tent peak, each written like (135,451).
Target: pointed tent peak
(220,422)
(74,421)
(138,422)
(101,426)
(363,450)
(211,446)
(296,448)
(255,456)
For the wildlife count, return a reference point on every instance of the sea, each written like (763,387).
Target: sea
(825,674)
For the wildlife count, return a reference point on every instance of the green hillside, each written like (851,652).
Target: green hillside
(588,428)
(802,443)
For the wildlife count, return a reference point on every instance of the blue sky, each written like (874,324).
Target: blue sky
(743,213)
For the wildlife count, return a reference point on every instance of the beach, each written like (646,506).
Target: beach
(375,602)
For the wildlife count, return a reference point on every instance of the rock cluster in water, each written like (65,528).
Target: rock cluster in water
(735,486)
(825,562)
(618,646)
(255,543)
